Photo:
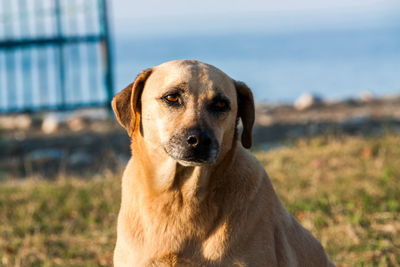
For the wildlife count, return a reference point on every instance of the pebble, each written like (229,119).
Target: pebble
(306,101)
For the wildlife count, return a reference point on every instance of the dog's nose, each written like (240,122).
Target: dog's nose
(198,138)
(193,140)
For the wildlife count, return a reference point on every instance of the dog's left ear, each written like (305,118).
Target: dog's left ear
(246,111)
(126,104)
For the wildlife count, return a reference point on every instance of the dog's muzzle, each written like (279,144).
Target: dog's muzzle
(194,146)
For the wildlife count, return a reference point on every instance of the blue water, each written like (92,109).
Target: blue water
(335,64)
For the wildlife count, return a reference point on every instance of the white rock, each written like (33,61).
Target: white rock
(15,122)
(76,123)
(23,122)
(366,97)
(7,123)
(306,101)
(52,122)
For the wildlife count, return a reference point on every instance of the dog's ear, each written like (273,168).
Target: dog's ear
(246,111)
(126,104)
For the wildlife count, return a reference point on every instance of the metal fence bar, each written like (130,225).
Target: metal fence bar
(42,55)
(92,53)
(67,107)
(76,59)
(106,50)
(26,55)
(60,52)
(27,43)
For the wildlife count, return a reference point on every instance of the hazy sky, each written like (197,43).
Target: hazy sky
(185,16)
(281,48)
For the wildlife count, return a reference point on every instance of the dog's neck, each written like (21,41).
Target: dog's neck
(163,175)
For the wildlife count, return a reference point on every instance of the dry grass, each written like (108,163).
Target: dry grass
(64,223)
(346,191)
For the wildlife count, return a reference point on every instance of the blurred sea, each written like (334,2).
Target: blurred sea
(278,66)
(335,64)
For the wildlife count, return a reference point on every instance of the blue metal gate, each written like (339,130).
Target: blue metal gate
(54,54)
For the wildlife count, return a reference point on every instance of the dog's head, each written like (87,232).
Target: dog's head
(186,109)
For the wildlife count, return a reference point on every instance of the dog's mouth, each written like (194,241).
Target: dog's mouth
(192,163)
(191,157)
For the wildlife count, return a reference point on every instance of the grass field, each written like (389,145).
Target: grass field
(345,190)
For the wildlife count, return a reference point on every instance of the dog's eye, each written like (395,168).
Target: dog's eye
(172,99)
(220,105)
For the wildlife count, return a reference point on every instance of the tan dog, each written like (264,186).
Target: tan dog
(191,194)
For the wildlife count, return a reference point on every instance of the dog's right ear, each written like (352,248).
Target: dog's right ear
(126,104)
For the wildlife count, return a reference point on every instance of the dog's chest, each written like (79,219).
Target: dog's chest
(183,242)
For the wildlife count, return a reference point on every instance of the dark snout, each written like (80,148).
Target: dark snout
(194,145)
